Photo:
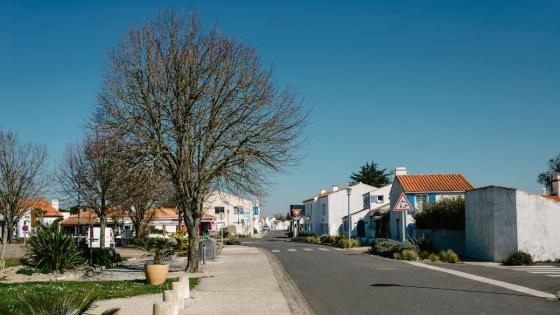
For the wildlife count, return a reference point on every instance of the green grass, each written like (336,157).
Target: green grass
(107,289)
(12,262)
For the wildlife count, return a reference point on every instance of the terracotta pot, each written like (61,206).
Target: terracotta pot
(156,274)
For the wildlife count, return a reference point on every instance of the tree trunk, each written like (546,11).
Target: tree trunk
(139,230)
(8,227)
(193,263)
(102,223)
(4,240)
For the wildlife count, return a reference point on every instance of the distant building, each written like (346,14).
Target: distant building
(420,189)
(324,212)
(37,210)
(373,219)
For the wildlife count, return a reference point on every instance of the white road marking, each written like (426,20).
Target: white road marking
(509,286)
(553,275)
(323,249)
(291,249)
(551,272)
(307,249)
(339,249)
(275,250)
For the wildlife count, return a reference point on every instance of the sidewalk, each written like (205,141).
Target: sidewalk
(242,281)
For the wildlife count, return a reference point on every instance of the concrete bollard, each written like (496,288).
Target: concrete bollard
(161,308)
(170,297)
(185,280)
(179,289)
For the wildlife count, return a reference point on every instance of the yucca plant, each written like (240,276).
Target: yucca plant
(33,303)
(160,248)
(50,249)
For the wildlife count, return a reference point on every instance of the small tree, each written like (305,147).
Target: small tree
(94,175)
(370,174)
(22,170)
(545,178)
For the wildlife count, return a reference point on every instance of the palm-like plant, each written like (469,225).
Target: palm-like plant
(160,248)
(50,248)
(32,303)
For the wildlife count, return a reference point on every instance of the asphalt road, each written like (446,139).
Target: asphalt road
(347,282)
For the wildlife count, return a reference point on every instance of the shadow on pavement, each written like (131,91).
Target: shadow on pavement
(381,285)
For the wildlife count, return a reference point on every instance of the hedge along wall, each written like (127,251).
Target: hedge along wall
(446,214)
(444,239)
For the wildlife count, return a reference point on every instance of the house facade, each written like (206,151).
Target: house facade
(370,221)
(38,209)
(324,212)
(420,189)
(233,212)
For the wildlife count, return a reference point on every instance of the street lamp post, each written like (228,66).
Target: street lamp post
(348,192)
(79,230)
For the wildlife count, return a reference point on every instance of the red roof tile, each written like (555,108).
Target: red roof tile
(434,182)
(42,204)
(552,197)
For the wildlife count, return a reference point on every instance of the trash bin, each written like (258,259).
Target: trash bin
(207,250)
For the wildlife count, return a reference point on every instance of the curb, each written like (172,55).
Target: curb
(294,297)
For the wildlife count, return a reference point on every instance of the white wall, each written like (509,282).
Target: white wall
(229,201)
(501,220)
(538,226)
(338,205)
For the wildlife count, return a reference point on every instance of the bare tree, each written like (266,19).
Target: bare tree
(200,105)
(94,175)
(22,170)
(149,191)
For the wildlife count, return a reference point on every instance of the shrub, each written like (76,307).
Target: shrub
(424,254)
(409,254)
(444,214)
(433,257)
(343,242)
(519,258)
(387,247)
(397,256)
(313,240)
(306,234)
(232,242)
(103,256)
(160,248)
(25,271)
(30,302)
(50,248)
(182,244)
(423,243)
(327,239)
(449,256)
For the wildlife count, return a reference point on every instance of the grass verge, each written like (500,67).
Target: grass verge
(107,289)
(12,262)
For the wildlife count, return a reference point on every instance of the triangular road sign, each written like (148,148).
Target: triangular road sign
(403,204)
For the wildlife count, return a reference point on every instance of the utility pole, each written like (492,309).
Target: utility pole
(348,192)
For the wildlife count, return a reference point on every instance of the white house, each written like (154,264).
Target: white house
(38,209)
(232,211)
(325,210)
(419,189)
(367,222)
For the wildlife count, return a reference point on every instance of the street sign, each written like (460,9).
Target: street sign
(296,210)
(25,228)
(403,204)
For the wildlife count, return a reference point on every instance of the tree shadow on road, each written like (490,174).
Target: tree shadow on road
(381,285)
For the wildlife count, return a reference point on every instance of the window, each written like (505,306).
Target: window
(238,210)
(309,209)
(380,199)
(323,209)
(419,201)
(219,210)
(366,199)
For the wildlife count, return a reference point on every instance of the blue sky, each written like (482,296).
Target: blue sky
(436,86)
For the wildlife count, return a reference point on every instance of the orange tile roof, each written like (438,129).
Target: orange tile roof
(434,182)
(43,205)
(552,197)
(163,213)
(86,218)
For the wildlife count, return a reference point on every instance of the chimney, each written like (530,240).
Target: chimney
(400,171)
(55,203)
(556,185)
(335,188)
(322,191)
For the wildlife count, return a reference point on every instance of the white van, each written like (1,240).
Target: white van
(109,238)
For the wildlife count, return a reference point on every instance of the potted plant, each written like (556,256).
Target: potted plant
(160,248)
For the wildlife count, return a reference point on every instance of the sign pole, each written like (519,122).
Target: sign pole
(403,219)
